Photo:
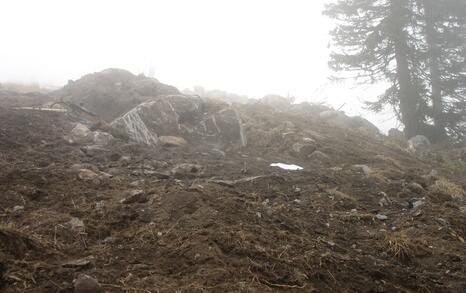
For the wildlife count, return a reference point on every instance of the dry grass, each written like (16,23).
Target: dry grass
(445,187)
(399,246)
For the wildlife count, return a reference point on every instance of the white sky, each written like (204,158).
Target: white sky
(252,47)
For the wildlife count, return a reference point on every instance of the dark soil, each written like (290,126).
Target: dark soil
(314,230)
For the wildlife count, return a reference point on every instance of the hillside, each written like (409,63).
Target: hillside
(208,212)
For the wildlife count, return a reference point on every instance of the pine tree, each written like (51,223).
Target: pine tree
(418,47)
(373,41)
(443,24)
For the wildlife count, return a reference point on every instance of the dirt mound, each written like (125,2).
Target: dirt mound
(112,92)
(363,215)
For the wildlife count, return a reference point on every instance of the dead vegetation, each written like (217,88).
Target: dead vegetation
(399,246)
(444,187)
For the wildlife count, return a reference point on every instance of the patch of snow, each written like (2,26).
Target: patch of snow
(287,167)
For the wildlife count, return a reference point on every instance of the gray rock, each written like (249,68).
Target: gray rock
(418,142)
(365,169)
(172,141)
(186,170)
(155,164)
(303,149)
(416,202)
(79,263)
(79,134)
(94,150)
(18,209)
(416,187)
(109,240)
(319,156)
(116,171)
(87,175)
(364,126)
(135,196)
(309,140)
(86,284)
(137,183)
(381,217)
(125,160)
(218,154)
(101,138)
(115,157)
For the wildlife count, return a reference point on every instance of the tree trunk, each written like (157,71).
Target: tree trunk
(435,79)
(408,94)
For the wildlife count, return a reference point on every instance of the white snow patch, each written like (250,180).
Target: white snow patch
(287,167)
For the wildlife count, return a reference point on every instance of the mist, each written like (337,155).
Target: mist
(249,48)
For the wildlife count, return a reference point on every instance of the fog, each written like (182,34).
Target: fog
(251,48)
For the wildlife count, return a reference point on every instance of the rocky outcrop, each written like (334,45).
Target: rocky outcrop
(188,117)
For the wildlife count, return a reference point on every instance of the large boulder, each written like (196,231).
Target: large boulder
(81,134)
(112,92)
(189,117)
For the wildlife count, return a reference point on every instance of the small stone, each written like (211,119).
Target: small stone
(156,164)
(87,175)
(416,202)
(94,150)
(218,154)
(172,141)
(79,263)
(381,217)
(365,169)
(101,138)
(308,140)
(416,187)
(109,240)
(186,170)
(137,183)
(125,160)
(79,134)
(135,196)
(320,156)
(302,149)
(115,157)
(86,284)
(18,209)
(418,142)
(141,266)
